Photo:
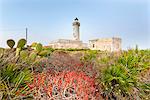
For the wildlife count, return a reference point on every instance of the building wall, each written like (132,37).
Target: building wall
(66,44)
(108,44)
(116,44)
(104,44)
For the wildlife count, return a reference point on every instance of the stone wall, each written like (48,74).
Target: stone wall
(108,44)
(66,44)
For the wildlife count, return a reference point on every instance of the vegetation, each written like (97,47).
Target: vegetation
(120,79)
(10,43)
(38,72)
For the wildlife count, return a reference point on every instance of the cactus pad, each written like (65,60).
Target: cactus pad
(39,47)
(32,56)
(45,53)
(11,43)
(23,54)
(21,43)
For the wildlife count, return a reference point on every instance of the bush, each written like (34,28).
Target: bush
(121,78)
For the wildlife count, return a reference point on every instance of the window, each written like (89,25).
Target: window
(93,45)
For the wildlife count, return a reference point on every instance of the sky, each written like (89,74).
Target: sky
(49,20)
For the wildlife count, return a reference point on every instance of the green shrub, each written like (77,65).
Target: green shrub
(117,81)
(13,78)
(120,78)
(89,55)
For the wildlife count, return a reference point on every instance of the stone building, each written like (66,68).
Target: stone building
(108,44)
(75,43)
(66,44)
(105,44)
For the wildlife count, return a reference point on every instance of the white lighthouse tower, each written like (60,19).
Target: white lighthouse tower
(76,29)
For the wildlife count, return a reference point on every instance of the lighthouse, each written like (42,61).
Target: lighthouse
(76,29)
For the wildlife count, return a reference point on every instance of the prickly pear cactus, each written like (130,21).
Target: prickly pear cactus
(32,56)
(44,53)
(1,52)
(39,47)
(11,43)
(23,54)
(21,43)
(34,44)
(18,51)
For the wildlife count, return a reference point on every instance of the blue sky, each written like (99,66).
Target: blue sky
(49,20)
